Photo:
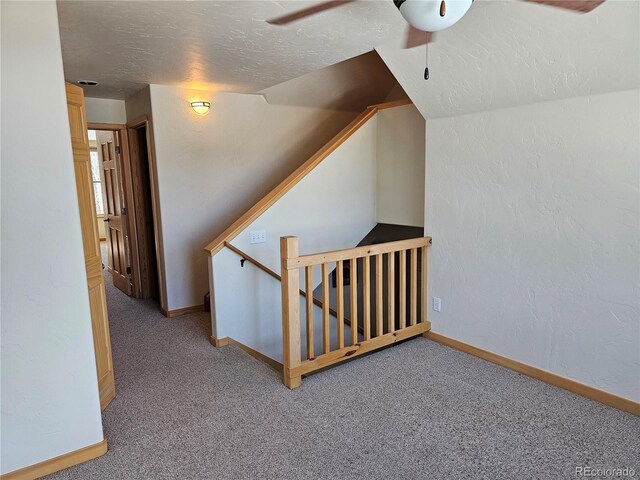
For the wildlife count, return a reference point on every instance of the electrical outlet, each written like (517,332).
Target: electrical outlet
(437,304)
(258,236)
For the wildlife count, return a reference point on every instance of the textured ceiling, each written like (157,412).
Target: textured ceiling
(508,53)
(224,46)
(501,54)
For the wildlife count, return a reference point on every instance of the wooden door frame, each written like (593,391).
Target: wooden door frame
(132,239)
(139,122)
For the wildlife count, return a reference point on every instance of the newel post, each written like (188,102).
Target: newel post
(424,281)
(290,312)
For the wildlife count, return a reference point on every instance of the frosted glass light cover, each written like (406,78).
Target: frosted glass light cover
(201,108)
(425,14)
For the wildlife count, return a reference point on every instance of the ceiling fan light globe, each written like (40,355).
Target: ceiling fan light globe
(425,14)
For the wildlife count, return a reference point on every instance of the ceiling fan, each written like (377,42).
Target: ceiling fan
(428,16)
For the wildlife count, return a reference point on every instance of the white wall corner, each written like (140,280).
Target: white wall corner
(105,110)
(212,295)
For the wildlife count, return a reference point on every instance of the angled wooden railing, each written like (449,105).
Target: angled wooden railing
(395,103)
(411,318)
(264,268)
(288,183)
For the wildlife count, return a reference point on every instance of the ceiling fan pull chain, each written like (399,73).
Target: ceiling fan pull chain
(426,61)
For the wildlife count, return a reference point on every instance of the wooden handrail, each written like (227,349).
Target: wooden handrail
(367,250)
(252,260)
(288,183)
(266,269)
(393,104)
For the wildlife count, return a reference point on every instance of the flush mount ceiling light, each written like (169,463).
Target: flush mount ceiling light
(201,108)
(87,83)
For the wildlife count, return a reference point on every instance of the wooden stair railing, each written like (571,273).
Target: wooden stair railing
(264,268)
(386,330)
(288,183)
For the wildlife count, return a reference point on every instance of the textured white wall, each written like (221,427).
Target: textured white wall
(251,309)
(212,168)
(138,104)
(400,157)
(534,212)
(50,403)
(332,208)
(105,110)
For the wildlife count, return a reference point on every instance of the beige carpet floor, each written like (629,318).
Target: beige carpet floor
(186,410)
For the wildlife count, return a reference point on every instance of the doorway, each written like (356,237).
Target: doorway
(106,167)
(124,187)
(144,202)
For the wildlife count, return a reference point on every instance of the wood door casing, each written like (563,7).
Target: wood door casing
(91,244)
(114,215)
(136,124)
(143,209)
(135,174)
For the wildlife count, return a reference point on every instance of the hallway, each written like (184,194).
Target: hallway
(185,409)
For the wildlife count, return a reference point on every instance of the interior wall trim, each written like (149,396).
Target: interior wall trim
(58,463)
(578,388)
(221,342)
(105,126)
(182,311)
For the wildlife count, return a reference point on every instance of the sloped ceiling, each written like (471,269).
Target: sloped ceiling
(350,85)
(508,53)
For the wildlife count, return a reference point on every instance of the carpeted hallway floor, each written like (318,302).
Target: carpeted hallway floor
(187,410)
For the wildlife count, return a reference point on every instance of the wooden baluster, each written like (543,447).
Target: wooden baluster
(391,292)
(326,332)
(379,307)
(366,297)
(309,290)
(403,289)
(423,290)
(414,286)
(290,312)
(340,301)
(353,298)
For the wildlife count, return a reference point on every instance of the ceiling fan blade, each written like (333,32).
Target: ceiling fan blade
(416,37)
(307,12)
(583,6)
